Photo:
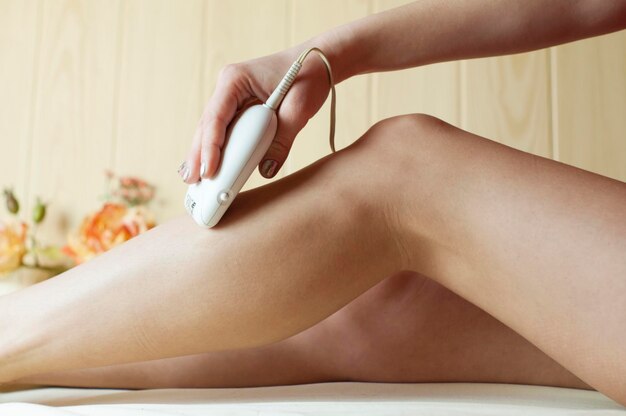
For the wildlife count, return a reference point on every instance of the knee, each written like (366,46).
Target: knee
(400,142)
(385,165)
(415,122)
(402,134)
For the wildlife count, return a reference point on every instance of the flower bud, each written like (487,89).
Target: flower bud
(39,212)
(12,204)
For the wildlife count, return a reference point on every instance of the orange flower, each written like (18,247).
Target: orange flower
(12,245)
(107,228)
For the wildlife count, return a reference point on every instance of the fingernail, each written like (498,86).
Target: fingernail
(182,165)
(186,174)
(202,169)
(269,167)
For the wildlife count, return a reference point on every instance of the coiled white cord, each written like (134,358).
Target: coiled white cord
(281,90)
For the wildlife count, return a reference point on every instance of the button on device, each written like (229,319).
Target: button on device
(223,197)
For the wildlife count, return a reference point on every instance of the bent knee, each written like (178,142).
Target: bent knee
(404,131)
(413,122)
(406,136)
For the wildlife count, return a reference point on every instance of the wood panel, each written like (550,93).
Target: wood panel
(19,42)
(353,95)
(73,113)
(508,99)
(159,102)
(94,84)
(590,97)
(433,89)
(238,31)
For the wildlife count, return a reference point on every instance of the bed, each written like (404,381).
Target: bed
(315,399)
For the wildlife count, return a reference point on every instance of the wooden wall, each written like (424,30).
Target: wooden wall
(89,85)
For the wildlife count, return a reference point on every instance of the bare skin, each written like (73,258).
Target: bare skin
(407,328)
(416,34)
(503,229)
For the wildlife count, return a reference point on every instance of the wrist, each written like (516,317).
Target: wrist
(341,50)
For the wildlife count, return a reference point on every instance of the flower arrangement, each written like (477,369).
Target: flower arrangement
(19,245)
(124,215)
(23,259)
(12,245)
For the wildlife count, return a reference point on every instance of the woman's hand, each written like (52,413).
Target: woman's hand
(242,84)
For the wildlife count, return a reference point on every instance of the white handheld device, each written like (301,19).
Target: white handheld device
(247,140)
(250,137)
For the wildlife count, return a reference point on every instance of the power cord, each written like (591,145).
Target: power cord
(283,87)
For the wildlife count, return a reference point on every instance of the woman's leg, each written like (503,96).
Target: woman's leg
(537,244)
(407,328)
(285,257)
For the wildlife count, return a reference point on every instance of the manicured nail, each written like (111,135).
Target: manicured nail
(186,174)
(182,165)
(269,167)
(202,169)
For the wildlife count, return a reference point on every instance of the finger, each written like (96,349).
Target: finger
(219,113)
(192,162)
(290,122)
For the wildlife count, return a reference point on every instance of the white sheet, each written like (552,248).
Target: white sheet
(364,399)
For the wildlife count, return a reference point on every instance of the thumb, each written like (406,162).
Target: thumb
(279,149)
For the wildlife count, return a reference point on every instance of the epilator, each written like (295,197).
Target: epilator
(247,140)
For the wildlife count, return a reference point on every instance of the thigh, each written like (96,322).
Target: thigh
(408,328)
(537,244)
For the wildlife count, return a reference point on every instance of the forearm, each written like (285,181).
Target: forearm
(430,31)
